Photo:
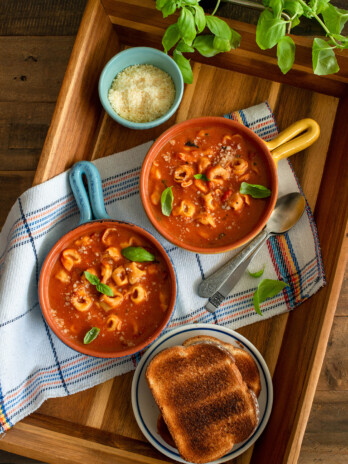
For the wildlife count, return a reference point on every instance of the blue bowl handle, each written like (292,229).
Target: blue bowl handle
(91,204)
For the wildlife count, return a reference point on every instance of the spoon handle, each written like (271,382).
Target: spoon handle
(211,284)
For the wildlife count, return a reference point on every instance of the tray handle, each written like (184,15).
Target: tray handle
(91,203)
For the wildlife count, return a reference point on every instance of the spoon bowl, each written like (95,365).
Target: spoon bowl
(287,211)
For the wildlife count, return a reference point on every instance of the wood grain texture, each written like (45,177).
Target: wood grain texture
(40,17)
(98,424)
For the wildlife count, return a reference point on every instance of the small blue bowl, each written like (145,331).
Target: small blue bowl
(140,55)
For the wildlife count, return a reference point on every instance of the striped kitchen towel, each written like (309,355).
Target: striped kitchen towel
(36,365)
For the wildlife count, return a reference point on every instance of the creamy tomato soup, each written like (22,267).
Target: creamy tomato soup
(141,291)
(205,168)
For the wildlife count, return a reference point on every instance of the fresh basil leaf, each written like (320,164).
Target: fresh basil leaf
(342,39)
(170,38)
(293,8)
(334,18)
(267,288)
(235,39)
(204,45)
(323,58)
(186,25)
(184,65)
(184,48)
(160,4)
(318,5)
(169,8)
(269,30)
(218,27)
(91,335)
(223,45)
(201,176)
(254,190)
(167,199)
(257,274)
(93,279)
(137,254)
(285,53)
(199,18)
(105,289)
(277,7)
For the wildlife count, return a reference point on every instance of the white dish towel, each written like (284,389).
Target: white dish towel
(36,365)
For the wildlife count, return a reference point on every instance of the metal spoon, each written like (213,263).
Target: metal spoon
(287,211)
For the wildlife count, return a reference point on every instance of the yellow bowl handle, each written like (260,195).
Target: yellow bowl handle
(287,143)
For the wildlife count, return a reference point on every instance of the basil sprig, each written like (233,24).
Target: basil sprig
(187,34)
(91,335)
(201,176)
(183,35)
(102,288)
(267,288)
(137,254)
(167,199)
(254,190)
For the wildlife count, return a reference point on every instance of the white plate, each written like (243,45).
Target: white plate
(145,408)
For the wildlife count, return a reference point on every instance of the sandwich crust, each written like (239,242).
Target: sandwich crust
(203,398)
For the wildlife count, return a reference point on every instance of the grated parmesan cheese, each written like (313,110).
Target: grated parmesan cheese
(142,93)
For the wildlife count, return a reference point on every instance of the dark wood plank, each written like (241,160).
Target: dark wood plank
(40,17)
(34,67)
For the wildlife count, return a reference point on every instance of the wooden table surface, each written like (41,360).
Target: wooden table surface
(36,38)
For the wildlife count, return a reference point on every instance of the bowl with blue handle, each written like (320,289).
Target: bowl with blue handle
(93,217)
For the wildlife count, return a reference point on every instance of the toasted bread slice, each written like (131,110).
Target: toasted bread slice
(203,399)
(244,361)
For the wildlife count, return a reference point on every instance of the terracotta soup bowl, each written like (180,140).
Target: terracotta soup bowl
(143,292)
(194,177)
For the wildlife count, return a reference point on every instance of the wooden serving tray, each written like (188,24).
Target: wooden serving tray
(98,423)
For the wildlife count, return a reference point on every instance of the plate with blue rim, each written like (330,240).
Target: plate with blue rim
(145,408)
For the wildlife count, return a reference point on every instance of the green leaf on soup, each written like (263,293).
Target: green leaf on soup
(93,279)
(254,190)
(91,335)
(323,58)
(267,288)
(285,53)
(167,199)
(201,176)
(102,288)
(170,38)
(184,65)
(269,30)
(105,289)
(137,254)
